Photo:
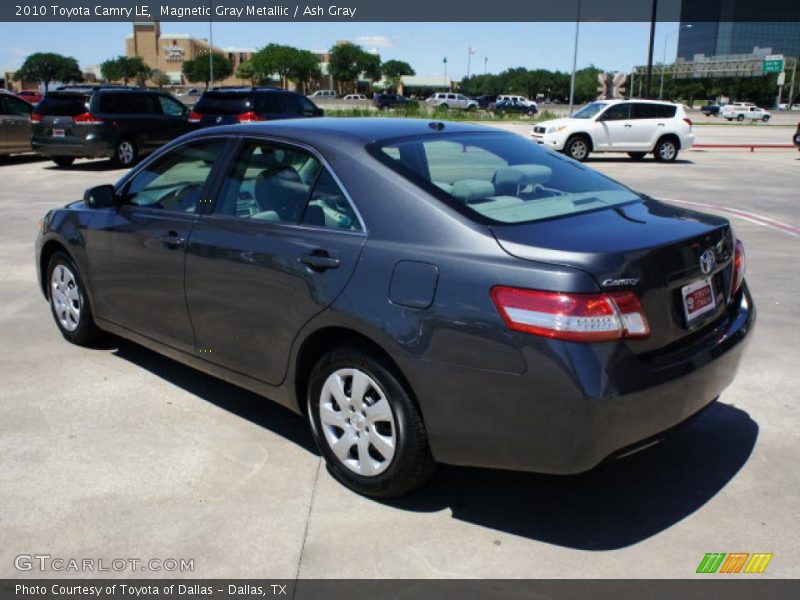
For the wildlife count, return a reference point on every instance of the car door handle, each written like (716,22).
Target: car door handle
(628,125)
(661,124)
(172,240)
(319,260)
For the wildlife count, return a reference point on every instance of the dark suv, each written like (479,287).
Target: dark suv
(245,105)
(381,101)
(122,124)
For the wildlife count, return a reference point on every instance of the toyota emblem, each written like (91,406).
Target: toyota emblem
(219,119)
(707,261)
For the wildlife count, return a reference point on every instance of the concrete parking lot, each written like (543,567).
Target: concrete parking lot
(118,452)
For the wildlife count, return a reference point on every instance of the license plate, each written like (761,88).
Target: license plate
(698,298)
(58,133)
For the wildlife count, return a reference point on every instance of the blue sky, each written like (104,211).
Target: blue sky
(612,46)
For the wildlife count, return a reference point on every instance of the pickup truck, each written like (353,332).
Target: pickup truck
(740,113)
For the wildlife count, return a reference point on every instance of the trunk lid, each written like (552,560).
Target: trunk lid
(56,122)
(649,247)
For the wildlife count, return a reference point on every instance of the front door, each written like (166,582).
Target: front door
(137,251)
(16,124)
(279,248)
(614,128)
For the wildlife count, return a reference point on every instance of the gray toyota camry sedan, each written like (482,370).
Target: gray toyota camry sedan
(422,292)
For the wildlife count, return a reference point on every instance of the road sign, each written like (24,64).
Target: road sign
(781,77)
(772,63)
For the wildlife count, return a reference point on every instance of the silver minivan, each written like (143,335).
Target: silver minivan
(452,100)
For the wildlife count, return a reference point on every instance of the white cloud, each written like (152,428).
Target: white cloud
(374,41)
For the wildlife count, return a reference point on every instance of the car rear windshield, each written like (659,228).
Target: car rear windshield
(500,178)
(223,103)
(63,105)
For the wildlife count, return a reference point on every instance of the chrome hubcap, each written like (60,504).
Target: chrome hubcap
(667,151)
(578,149)
(66,298)
(357,422)
(125,152)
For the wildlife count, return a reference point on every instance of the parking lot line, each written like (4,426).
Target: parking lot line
(743,214)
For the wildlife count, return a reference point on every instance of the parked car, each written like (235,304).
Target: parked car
(121,124)
(486,100)
(517,100)
(710,110)
(740,113)
(324,94)
(447,100)
(637,127)
(507,106)
(190,93)
(15,125)
(494,305)
(355,97)
(381,101)
(246,105)
(32,96)
(797,137)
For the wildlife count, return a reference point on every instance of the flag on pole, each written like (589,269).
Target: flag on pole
(472,50)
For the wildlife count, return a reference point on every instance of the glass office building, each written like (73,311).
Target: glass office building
(723,27)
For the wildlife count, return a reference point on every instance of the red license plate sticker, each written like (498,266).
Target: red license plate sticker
(698,298)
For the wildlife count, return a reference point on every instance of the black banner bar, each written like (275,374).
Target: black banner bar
(391,10)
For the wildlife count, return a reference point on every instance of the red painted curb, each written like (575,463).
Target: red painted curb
(751,146)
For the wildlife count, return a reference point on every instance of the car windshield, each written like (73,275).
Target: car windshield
(590,110)
(500,177)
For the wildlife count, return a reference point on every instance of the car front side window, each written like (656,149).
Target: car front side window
(176,180)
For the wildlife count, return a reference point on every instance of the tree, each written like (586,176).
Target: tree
(247,70)
(46,67)
(395,70)
(274,59)
(346,62)
(160,78)
(197,70)
(304,69)
(125,68)
(370,66)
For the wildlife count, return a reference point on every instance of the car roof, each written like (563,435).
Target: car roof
(638,100)
(361,130)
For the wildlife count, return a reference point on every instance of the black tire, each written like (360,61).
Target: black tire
(126,153)
(637,155)
(64,161)
(577,148)
(666,150)
(411,464)
(740,118)
(85,331)
(444,106)
(765,119)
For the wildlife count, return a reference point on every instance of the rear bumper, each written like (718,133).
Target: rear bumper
(89,147)
(577,403)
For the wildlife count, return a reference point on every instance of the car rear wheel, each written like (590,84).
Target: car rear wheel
(68,301)
(125,153)
(666,150)
(444,106)
(366,426)
(637,155)
(740,118)
(64,161)
(577,147)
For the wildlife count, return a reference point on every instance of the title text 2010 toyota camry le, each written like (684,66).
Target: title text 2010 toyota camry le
(423,291)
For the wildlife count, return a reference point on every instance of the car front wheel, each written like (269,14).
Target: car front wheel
(577,148)
(366,426)
(765,119)
(68,301)
(740,118)
(125,153)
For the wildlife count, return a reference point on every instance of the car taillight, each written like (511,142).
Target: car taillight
(573,317)
(738,267)
(36,117)
(86,119)
(194,117)
(688,121)
(249,117)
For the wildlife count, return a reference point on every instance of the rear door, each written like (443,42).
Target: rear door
(277,249)
(173,117)
(16,117)
(649,122)
(136,251)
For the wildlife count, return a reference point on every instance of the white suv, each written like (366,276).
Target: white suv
(517,100)
(633,126)
(742,112)
(330,94)
(450,100)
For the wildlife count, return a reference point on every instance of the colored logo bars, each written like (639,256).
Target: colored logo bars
(736,562)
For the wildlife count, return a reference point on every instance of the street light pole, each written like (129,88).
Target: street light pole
(650,50)
(574,59)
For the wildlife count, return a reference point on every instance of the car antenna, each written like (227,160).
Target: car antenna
(437,125)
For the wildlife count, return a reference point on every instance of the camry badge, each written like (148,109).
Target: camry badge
(610,282)
(707,261)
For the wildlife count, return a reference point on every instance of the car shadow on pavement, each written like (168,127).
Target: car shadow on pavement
(20,159)
(626,159)
(89,166)
(617,504)
(238,401)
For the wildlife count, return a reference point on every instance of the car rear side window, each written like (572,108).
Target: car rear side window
(642,110)
(277,103)
(270,182)
(13,106)
(63,105)
(223,103)
(500,177)
(175,181)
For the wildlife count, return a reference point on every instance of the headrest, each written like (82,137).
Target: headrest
(469,190)
(522,175)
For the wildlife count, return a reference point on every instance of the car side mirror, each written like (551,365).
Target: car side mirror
(100,196)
